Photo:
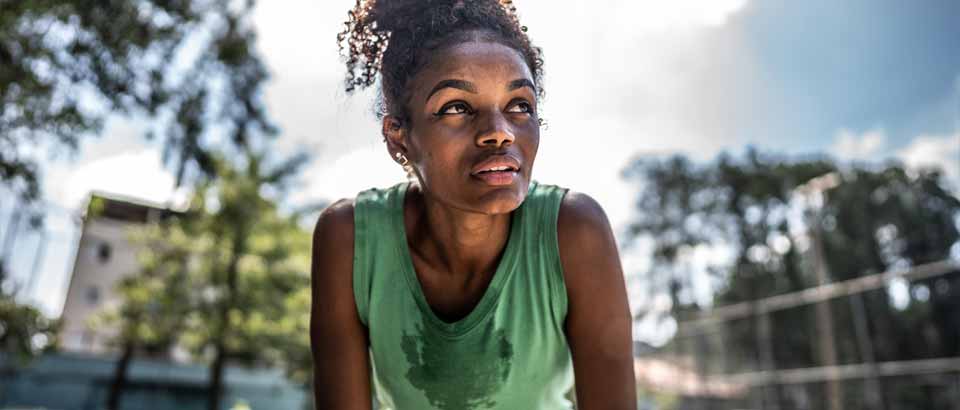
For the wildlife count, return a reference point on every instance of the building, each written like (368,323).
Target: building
(80,376)
(105,254)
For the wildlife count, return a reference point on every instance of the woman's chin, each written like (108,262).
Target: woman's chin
(503,201)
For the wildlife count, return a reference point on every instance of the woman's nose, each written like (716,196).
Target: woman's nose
(497,131)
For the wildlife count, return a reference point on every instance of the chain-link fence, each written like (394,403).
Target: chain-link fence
(843,345)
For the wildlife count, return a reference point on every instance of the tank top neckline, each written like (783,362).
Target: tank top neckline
(490,295)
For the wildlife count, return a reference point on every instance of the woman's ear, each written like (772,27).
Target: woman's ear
(394,134)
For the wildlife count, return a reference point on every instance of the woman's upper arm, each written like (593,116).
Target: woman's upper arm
(599,322)
(338,340)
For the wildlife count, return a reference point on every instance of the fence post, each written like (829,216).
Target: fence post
(769,387)
(824,320)
(865,344)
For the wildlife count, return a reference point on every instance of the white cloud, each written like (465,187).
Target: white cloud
(934,151)
(343,176)
(297,37)
(137,174)
(848,145)
(661,15)
(305,96)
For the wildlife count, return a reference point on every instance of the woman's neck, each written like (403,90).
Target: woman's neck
(452,240)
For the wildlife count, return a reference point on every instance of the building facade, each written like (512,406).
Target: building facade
(105,254)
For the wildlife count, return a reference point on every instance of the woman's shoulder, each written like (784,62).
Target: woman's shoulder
(380,195)
(335,222)
(582,228)
(338,218)
(583,234)
(579,211)
(574,210)
(580,217)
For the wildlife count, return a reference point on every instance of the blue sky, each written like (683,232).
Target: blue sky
(860,80)
(853,64)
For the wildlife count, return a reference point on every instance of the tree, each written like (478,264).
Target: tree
(235,275)
(241,259)
(877,218)
(67,64)
(155,300)
(187,68)
(25,332)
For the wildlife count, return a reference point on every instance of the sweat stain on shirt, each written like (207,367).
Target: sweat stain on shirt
(452,385)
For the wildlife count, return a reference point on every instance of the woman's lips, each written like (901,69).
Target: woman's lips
(497,178)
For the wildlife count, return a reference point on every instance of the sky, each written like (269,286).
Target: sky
(860,80)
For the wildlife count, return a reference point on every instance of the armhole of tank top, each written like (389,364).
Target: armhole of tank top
(551,212)
(361,268)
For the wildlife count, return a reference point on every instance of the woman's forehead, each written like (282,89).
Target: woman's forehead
(479,62)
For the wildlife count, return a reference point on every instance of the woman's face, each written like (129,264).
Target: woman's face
(473,131)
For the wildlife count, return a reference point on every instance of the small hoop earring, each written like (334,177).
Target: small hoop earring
(401,157)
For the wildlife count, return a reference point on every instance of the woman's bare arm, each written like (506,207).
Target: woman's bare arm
(338,339)
(598,321)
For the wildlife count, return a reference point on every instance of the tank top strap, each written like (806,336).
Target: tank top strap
(374,241)
(541,208)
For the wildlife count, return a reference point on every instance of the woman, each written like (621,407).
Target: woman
(471,286)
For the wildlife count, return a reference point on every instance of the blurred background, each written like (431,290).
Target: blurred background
(782,178)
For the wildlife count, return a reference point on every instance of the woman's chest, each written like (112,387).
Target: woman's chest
(514,325)
(450,297)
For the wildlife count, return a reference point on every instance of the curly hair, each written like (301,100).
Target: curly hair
(395,38)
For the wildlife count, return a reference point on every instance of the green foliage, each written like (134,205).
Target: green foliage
(69,63)
(875,219)
(25,332)
(729,203)
(230,273)
(150,316)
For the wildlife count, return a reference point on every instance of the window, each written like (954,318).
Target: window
(93,295)
(103,252)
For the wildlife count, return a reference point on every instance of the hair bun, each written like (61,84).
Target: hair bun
(392,15)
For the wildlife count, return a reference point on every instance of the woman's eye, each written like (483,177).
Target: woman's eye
(523,107)
(456,108)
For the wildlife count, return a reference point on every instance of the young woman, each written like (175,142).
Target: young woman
(471,286)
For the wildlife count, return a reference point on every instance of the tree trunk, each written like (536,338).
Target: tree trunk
(219,361)
(120,377)
(216,378)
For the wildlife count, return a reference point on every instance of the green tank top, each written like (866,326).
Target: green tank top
(509,352)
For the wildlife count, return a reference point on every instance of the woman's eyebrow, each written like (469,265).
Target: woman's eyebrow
(520,83)
(459,84)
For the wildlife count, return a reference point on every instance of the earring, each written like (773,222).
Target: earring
(403,158)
